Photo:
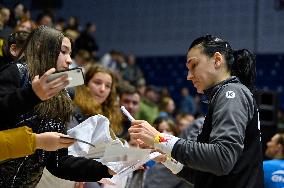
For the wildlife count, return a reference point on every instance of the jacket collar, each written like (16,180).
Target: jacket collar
(210,92)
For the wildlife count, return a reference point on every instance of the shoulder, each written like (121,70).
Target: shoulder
(8,67)
(8,72)
(235,91)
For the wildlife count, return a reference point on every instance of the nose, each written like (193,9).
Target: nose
(189,76)
(102,88)
(68,60)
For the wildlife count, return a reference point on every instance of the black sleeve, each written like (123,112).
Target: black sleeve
(76,168)
(13,99)
(188,174)
(230,117)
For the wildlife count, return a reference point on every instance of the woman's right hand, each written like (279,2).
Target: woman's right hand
(52,141)
(45,89)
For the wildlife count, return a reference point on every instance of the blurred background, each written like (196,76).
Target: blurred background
(158,33)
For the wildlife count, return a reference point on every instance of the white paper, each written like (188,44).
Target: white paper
(95,130)
(129,169)
(112,153)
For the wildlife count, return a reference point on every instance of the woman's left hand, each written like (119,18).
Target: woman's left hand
(143,131)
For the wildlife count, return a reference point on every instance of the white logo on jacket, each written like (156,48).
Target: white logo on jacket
(230,94)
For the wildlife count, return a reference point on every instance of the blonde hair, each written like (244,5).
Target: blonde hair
(89,106)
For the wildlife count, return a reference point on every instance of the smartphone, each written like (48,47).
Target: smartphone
(75,76)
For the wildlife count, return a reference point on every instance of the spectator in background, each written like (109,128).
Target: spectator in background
(86,40)
(26,25)
(98,96)
(82,59)
(130,99)
(167,108)
(141,86)
(149,109)
(115,61)
(132,72)
(187,104)
(5,29)
(17,14)
(60,24)
(193,129)
(44,19)
(274,168)
(183,121)
(73,31)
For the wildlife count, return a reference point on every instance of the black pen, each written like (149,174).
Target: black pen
(78,140)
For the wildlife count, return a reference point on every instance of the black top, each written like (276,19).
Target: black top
(228,150)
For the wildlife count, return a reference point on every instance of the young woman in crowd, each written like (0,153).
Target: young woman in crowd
(46,50)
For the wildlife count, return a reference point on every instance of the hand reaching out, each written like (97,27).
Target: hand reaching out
(51,141)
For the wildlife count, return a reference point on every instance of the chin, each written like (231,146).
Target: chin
(201,91)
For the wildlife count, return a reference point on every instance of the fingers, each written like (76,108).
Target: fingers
(44,77)
(135,129)
(64,145)
(67,141)
(54,91)
(137,122)
(45,89)
(62,80)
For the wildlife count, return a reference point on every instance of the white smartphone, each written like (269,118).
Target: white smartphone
(75,76)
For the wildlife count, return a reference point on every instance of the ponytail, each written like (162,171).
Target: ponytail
(244,67)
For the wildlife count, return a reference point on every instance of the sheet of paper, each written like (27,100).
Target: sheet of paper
(128,170)
(112,153)
(94,130)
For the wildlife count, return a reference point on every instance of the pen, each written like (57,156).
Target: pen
(125,112)
(78,140)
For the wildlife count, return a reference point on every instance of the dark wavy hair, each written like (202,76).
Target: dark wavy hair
(240,63)
(41,51)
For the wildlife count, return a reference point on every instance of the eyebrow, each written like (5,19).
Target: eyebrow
(67,47)
(190,59)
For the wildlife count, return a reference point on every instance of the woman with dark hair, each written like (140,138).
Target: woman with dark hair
(227,152)
(45,49)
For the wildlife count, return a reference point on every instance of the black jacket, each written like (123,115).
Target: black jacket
(14,100)
(228,152)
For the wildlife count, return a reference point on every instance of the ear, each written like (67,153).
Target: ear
(218,59)
(13,50)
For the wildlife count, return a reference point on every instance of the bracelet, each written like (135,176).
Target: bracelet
(159,138)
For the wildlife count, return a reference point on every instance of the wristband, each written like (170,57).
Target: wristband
(173,165)
(165,142)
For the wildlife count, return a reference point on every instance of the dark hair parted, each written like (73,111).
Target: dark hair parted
(240,63)
(41,51)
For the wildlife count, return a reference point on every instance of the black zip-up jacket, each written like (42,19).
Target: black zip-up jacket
(228,152)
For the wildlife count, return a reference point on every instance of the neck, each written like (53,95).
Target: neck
(222,77)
